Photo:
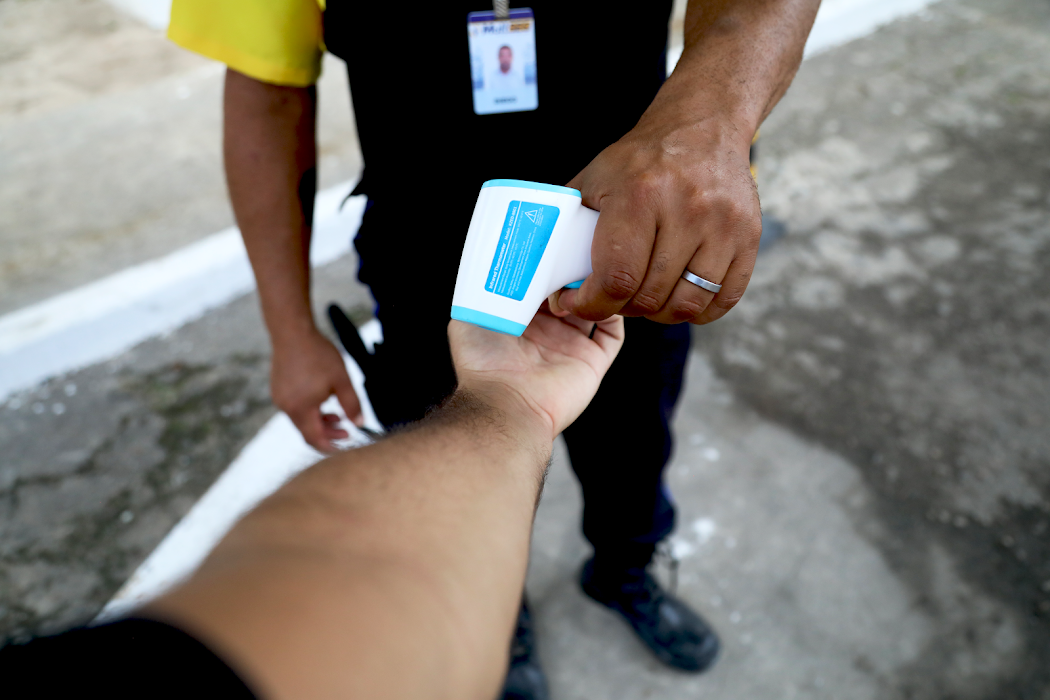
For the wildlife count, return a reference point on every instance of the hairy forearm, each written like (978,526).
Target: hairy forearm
(270,156)
(413,548)
(739,58)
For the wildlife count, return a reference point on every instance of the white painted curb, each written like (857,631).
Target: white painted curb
(105,318)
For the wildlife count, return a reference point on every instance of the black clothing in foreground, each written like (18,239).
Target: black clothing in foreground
(619,446)
(125,659)
(621,443)
(598,68)
(427,154)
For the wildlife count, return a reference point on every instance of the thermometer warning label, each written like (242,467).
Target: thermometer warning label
(526,231)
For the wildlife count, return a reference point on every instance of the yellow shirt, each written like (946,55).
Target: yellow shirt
(275,41)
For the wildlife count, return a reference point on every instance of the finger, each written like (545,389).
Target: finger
(577,323)
(311,427)
(566,337)
(688,300)
(546,327)
(610,335)
(733,286)
(545,308)
(672,251)
(561,301)
(331,428)
(331,423)
(585,327)
(623,241)
(612,327)
(344,391)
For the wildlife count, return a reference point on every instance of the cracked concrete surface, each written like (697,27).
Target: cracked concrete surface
(862,463)
(904,322)
(780,545)
(110,145)
(98,465)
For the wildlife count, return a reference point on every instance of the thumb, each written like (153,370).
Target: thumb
(561,302)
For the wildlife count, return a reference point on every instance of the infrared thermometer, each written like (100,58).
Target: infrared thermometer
(526,240)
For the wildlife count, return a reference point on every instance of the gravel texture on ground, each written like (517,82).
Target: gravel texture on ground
(904,321)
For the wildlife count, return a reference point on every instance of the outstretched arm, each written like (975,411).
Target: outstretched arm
(395,571)
(675,193)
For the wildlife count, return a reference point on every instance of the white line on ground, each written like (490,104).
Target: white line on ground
(274,455)
(838,22)
(841,21)
(100,320)
(277,452)
(153,13)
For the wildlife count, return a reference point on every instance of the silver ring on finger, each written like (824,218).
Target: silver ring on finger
(701,282)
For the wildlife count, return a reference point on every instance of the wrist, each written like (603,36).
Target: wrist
(701,118)
(700,99)
(504,410)
(292,338)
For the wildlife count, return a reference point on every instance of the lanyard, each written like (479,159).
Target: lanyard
(501,8)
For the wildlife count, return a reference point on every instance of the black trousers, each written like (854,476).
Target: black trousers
(621,444)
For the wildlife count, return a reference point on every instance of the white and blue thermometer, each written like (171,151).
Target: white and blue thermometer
(526,240)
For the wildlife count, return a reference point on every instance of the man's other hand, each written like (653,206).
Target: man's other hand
(553,370)
(674,195)
(303,376)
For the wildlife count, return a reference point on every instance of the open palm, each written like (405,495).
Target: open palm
(554,366)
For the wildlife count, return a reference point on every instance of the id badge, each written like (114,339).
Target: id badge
(503,61)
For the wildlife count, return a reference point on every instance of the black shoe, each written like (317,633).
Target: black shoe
(676,634)
(525,679)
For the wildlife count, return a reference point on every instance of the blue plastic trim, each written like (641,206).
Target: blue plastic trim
(533,186)
(493,323)
(574,285)
(490,16)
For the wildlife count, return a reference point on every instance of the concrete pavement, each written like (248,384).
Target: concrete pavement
(862,464)
(905,321)
(110,145)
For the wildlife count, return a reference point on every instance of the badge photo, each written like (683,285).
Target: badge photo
(503,61)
